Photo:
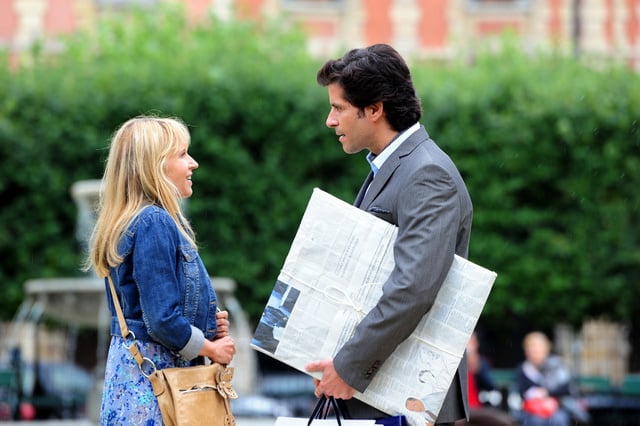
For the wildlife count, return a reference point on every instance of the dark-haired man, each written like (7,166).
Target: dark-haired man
(412,184)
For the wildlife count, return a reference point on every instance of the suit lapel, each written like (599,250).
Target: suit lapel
(363,190)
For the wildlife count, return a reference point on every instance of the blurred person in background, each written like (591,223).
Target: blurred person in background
(479,374)
(544,383)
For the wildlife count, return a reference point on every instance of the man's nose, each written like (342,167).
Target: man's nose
(331,122)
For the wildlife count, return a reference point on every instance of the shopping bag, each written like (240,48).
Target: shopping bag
(392,421)
(325,407)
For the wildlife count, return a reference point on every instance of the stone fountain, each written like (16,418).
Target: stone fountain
(81,302)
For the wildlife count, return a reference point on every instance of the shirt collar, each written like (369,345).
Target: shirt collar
(376,161)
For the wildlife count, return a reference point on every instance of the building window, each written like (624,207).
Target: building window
(315,2)
(122,3)
(312,4)
(512,5)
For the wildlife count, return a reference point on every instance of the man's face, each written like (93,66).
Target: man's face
(351,125)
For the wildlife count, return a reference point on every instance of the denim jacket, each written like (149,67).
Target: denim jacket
(163,287)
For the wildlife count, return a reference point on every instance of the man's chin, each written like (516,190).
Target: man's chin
(350,150)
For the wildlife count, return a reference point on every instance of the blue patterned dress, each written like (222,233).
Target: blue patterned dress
(162,271)
(128,398)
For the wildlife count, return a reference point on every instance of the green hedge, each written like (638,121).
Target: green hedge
(548,146)
(550,151)
(256,118)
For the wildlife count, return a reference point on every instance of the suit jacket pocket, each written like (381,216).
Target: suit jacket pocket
(382,213)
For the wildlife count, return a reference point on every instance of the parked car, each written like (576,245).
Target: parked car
(46,389)
(8,393)
(60,390)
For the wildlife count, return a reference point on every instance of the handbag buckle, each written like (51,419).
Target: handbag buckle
(131,336)
(145,360)
(151,363)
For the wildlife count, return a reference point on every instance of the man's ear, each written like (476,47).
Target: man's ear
(375,110)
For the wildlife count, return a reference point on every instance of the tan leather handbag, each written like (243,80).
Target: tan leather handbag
(187,396)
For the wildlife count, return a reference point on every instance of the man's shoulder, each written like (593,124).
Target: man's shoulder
(426,152)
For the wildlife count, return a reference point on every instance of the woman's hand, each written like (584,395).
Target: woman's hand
(220,350)
(222,322)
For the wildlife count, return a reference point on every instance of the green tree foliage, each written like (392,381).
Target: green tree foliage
(548,146)
(256,118)
(550,150)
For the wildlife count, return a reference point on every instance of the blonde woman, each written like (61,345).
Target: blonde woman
(143,241)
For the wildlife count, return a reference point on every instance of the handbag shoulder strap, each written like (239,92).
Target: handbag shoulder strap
(156,383)
(124,329)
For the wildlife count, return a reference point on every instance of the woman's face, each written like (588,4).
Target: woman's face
(536,350)
(179,167)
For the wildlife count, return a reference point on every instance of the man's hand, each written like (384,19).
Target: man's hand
(331,384)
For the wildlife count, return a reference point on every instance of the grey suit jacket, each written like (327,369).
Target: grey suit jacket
(420,190)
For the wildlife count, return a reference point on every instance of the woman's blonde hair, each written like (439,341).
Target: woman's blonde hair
(134,178)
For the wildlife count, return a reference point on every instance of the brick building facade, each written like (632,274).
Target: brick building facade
(433,28)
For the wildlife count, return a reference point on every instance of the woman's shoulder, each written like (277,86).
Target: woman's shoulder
(152,216)
(554,362)
(152,211)
(148,221)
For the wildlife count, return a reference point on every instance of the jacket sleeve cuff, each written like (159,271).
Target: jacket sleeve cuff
(194,345)
(349,375)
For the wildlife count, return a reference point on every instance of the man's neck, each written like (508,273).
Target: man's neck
(383,140)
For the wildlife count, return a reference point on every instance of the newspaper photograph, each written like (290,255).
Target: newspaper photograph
(333,275)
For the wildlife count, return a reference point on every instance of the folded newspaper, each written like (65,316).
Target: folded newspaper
(333,275)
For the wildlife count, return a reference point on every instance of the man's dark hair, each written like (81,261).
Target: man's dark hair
(372,74)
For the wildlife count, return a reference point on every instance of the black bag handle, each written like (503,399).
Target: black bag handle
(323,408)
